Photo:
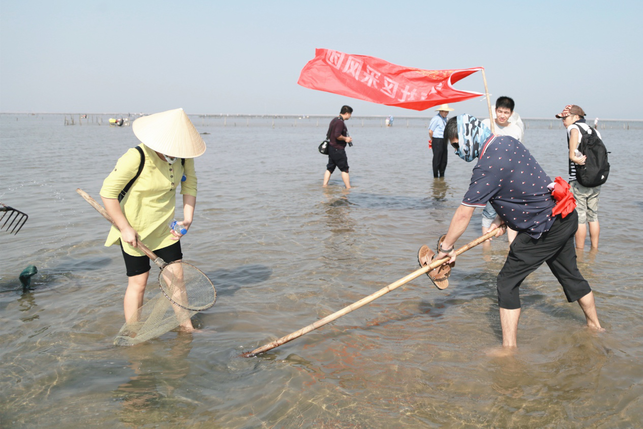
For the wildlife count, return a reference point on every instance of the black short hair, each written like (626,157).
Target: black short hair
(346,109)
(451,129)
(506,102)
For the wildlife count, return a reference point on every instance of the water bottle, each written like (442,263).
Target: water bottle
(179,229)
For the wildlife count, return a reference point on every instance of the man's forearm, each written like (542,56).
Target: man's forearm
(458,225)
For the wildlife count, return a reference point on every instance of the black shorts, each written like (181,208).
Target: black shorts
(526,254)
(337,158)
(136,265)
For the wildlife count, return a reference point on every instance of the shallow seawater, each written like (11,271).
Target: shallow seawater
(282,253)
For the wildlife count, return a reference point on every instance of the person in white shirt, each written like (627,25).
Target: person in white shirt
(507,123)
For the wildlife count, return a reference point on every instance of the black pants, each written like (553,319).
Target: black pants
(440,156)
(526,254)
(337,158)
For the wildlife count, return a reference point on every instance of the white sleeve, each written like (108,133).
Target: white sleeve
(522,128)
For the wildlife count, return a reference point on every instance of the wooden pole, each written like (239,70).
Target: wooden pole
(158,261)
(366,300)
(486,91)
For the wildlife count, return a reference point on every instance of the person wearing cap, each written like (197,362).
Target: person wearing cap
(525,198)
(437,142)
(507,123)
(586,198)
(147,209)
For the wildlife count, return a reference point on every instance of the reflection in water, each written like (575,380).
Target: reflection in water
(440,188)
(586,260)
(152,396)
(337,213)
(27,302)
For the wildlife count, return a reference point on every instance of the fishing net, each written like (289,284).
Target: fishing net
(185,290)
(187,286)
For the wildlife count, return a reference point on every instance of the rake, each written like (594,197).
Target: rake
(15,219)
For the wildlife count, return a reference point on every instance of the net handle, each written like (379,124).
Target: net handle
(158,261)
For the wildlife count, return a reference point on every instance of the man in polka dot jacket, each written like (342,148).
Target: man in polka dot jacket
(520,191)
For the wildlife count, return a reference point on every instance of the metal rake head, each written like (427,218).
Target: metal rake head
(15,219)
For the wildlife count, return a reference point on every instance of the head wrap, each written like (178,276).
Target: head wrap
(472,134)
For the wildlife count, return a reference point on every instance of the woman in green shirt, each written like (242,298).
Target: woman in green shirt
(147,209)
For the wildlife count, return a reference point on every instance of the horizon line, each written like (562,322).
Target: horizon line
(285,115)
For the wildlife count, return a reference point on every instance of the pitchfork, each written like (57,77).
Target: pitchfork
(17,218)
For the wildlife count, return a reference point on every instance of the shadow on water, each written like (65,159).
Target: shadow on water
(439,190)
(31,280)
(395,202)
(51,277)
(227,282)
(67,264)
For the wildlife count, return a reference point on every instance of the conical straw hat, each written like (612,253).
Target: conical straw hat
(170,133)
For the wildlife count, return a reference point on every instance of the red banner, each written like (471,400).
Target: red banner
(378,81)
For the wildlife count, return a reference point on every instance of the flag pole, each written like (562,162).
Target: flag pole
(486,91)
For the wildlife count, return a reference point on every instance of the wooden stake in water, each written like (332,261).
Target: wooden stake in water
(366,300)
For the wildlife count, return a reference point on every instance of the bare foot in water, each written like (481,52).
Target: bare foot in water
(501,352)
(595,328)
(188,328)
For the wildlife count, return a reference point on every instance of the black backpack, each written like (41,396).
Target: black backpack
(597,168)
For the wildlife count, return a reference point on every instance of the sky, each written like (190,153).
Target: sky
(244,57)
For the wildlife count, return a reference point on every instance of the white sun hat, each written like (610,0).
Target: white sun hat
(444,108)
(170,133)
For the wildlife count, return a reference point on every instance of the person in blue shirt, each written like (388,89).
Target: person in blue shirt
(509,177)
(437,141)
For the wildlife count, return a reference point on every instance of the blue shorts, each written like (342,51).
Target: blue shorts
(488,215)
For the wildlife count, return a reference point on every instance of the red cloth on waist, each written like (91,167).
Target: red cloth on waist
(565,201)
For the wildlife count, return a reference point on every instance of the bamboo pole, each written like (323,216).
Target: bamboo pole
(362,302)
(486,91)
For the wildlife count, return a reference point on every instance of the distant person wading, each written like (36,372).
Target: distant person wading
(437,142)
(338,136)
